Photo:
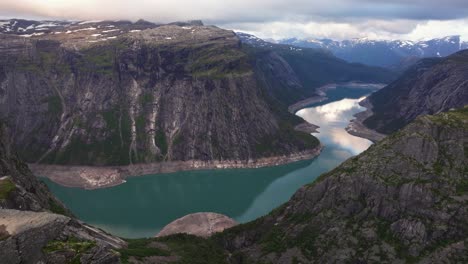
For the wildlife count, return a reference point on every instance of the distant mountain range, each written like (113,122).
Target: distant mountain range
(394,54)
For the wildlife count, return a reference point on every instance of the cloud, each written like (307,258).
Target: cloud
(331,18)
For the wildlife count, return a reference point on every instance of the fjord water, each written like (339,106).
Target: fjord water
(143,205)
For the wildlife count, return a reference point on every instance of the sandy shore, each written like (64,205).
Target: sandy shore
(357,128)
(95,177)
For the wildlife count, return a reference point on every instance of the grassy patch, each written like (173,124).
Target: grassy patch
(217,62)
(195,250)
(140,248)
(72,244)
(6,187)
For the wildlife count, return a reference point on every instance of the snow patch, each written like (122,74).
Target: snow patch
(84,29)
(89,22)
(110,30)
(32,35)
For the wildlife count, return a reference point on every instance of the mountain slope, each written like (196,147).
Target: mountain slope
(90,95)
(307,68)
(35,227)
(383,53)
(122,93)
(431,86)
(402,200)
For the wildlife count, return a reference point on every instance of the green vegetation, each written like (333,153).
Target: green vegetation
(274,241)
(462,187)
(6,187)
(178,139)
(194,250)
(141,248)
(146,98)
(73,245)
(54,105)
(186,249)
(99,60)
(306,241)
(161,141)
(56,208)
(111,151)
(455,118)
(273,144)
(217,62)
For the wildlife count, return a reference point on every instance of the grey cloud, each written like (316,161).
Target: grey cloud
(240,10)
(329,18)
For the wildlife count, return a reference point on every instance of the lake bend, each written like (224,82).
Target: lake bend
(143,205)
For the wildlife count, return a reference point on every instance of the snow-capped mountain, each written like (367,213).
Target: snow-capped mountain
(382,52)
(30,28)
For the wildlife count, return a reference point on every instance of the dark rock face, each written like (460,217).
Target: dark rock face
(31,231)
(33,237)
(162,94)
(431,86)
(404,199)
(19,189)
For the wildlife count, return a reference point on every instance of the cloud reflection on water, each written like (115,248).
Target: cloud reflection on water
(332,119)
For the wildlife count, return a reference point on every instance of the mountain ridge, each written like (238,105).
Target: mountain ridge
(431,86)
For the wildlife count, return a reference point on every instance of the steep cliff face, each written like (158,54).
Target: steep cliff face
(19,189)
(403,200)
(162,94)
(429,87)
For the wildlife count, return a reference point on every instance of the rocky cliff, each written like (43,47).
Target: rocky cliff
(113,93)
(429,87)
(404,200)
(36,228)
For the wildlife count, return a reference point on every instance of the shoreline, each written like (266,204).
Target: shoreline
(97,177)
(322,93)
(357,128)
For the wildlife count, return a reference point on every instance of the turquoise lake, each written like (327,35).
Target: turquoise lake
(144,205)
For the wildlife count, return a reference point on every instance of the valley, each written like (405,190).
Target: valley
(339,137)
(242,194)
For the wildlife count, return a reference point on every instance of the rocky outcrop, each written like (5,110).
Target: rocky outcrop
(36,228)
(19,189)
(34,237)
(402,200)
(429,87)
(198,224)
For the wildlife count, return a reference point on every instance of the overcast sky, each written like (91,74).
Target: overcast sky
(336,19)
